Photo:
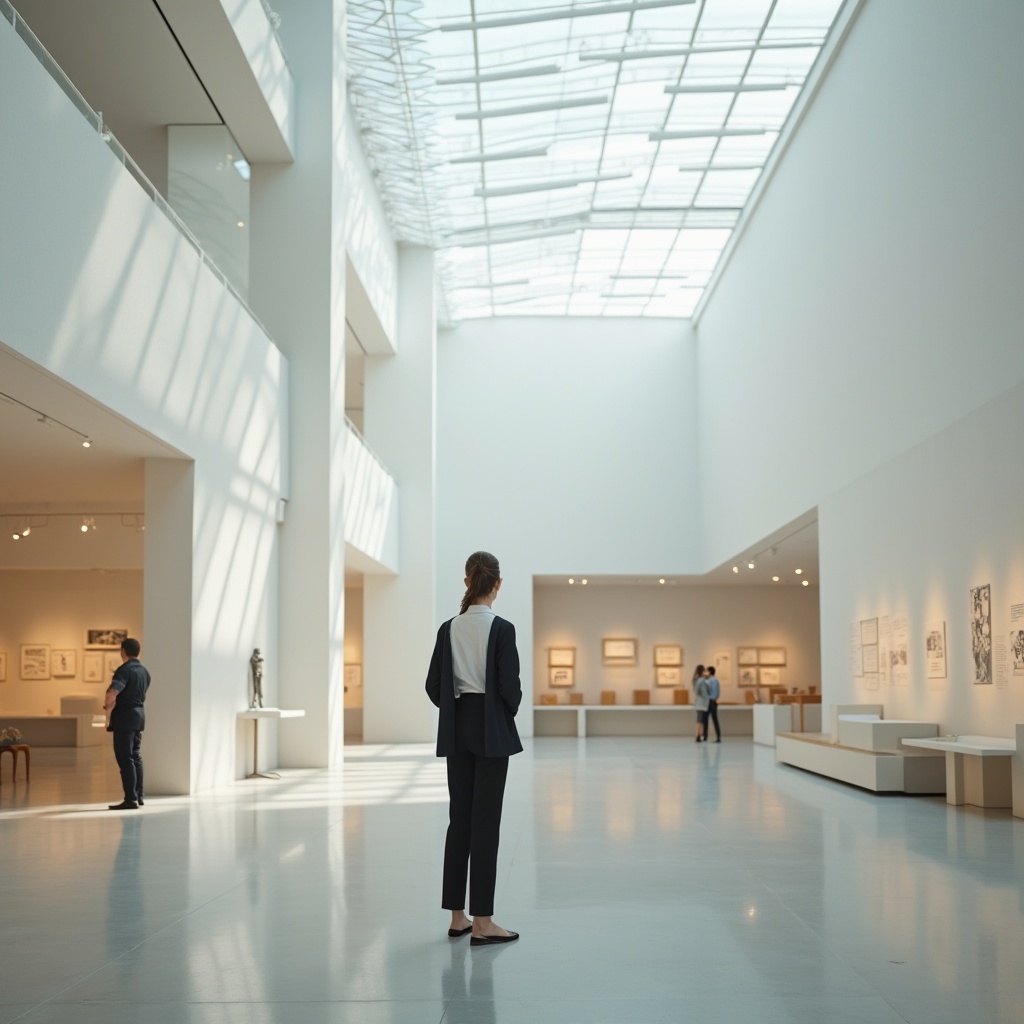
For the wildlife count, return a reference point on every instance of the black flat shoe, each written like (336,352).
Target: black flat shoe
(493,940)
(124,805)
(457,933)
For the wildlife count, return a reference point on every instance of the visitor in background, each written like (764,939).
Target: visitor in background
(714,691)
(700,700)
(125,703)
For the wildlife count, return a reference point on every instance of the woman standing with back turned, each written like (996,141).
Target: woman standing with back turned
(474,680)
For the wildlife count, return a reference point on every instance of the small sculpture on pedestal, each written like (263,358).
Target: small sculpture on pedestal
(256,668)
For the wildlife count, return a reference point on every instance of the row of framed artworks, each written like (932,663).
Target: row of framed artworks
(39,662)
(565,675)
(619,651)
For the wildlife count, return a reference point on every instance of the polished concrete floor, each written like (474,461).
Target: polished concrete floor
(652,880)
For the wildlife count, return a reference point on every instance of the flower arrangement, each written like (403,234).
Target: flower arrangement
(9,735)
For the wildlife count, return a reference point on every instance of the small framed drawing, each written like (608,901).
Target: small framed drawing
(747,675)
(561,675)
(353,675)
(618,652)
(771,655)
(105,639)
(35,661)
(63,664)
(746,655)
(3,666)
(769,677)
(92,667)
(111,663)
(563,657)
(668,654)
(667,675)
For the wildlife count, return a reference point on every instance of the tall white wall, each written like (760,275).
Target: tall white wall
(98,287)
(875,297)
(703,620)
(564,446)
(911,538)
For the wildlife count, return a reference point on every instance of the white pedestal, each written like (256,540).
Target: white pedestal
(770,720)
(255,714)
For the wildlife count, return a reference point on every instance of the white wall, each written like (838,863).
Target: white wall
(563,446)
(703,620)
(99,288)
(912,537)
(875,297)
(56,607)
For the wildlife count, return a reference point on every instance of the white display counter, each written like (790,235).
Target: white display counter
(978,768)
(58,730)
(582,720)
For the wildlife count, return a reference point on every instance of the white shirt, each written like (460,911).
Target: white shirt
(470,633)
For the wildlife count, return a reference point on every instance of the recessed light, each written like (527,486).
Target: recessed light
(799,572)
(26,531)
(241,223)
(806,583)
(87,443)
(15,536)
(735,568)
(85,529)
(661,581)
(750,565)
(584,582)
(775,579)
(571,581)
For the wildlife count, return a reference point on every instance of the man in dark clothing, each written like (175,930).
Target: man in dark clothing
(126,705)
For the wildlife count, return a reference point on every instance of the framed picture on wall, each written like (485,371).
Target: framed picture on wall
(92,667)
(769,677)
(723,667)
(667,675)
(615,651)
(748,675)
(563,657)
(771,655)
(746,655)
(35,661)
(63,664)
(104,639)
(111,663)
(668,654)
(561,675)
(3,666)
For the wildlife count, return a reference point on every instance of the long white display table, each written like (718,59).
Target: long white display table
(58,730)
(635,720)
(977,768)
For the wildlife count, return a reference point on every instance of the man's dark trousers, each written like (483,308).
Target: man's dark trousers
(128,752)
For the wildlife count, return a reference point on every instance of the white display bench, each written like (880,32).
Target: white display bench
(878,771)
(771,719)
(978,768)
(583,720)
(58,730)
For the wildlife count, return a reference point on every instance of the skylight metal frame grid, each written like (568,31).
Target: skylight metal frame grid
(513,243)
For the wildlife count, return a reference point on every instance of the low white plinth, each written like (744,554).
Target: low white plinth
(978,768)
(881,735)
(770,720)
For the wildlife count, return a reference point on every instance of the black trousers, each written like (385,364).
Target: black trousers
(476,788)
(128,752)
(713,715)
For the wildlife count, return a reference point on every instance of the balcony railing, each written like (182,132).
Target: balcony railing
(95,118)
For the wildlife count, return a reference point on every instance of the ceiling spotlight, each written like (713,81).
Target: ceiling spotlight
(584,582)
(661,581)
(241,223)
(571,581)
(85,526)
(750,565)
(806,583)
(26,531)
(87,443)
(735,568)
(775,579)
(799,572)
(15,536)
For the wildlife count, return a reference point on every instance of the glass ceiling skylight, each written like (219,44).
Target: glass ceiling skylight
(575,158)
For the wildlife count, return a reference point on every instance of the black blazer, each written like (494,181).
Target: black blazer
(503,691)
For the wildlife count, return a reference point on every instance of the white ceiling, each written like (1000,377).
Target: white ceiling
(44,464)
(792,547)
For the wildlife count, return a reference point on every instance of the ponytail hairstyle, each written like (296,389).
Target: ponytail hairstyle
(483,575)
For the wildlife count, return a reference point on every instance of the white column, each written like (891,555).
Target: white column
(167,625)
(399,621)
(297,286)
